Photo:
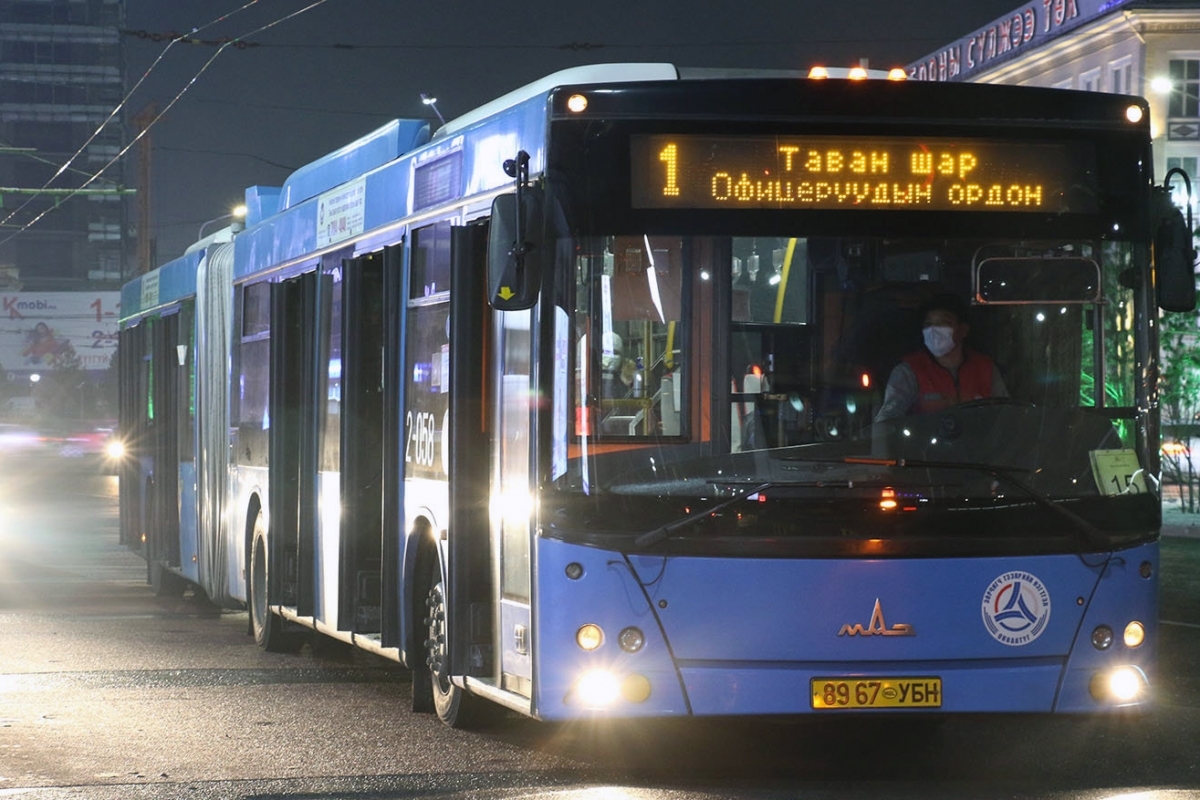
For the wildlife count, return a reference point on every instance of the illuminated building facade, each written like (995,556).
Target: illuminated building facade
(1141,47)
(61,77)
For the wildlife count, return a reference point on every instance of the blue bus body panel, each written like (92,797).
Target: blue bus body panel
(261,202)
(189,553)
(170,283)
(369,152)
(391,191)
(1008,634)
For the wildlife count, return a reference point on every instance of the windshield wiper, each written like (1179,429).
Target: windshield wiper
(1091,534)
(658,534)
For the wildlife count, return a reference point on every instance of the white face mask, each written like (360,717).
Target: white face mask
(939,339)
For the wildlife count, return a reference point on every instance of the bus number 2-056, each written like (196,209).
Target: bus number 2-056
(420,446)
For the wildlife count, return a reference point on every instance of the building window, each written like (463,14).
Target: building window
(1120,76)
(1183,107)
(1185,163)
(1190,165)
(1090,80)
(1185,88)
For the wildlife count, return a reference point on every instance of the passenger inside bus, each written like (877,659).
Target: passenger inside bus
(944,371)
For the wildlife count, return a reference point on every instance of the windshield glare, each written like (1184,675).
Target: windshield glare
(706,365)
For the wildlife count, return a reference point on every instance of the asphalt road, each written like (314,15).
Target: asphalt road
(107,691)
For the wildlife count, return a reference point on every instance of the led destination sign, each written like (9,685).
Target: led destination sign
(859,172)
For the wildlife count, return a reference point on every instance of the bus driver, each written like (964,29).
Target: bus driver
(945,371)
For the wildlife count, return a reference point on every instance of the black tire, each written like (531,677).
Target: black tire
(422,686)
(268,628)
(454,706)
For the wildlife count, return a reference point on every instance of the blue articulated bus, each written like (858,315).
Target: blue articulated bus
(174,413)
(586,403)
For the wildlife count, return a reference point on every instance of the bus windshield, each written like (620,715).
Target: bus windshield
(979,386)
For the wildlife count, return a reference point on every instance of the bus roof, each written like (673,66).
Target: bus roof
(593,73)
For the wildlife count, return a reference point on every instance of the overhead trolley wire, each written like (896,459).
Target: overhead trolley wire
(124,101)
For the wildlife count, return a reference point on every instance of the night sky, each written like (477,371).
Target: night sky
(311,83)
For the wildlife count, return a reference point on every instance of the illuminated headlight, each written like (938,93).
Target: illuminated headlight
(1119,685)
(1102,637)
(114,450)
(1135,634)
(589,637)
(600,689)
(597,689)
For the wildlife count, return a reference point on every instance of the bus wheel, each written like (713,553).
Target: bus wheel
(268,628)
(454,706)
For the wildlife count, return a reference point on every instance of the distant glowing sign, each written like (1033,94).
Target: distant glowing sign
(863,173)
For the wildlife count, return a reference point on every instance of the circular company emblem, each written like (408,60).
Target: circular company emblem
(1016,608)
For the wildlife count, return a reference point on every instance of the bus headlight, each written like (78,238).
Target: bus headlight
(600,689)
(597,689)
(1135,634)
(1124,684)
(115,450)
(589,637)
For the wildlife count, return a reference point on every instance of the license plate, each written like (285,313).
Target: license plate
(837,693)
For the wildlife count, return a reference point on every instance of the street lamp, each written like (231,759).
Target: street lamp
(238,214)
(431,101)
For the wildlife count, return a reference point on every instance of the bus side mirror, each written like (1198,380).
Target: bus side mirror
(515,245)
(1174,258)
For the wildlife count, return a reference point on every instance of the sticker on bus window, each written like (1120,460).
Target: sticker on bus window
(1118,472)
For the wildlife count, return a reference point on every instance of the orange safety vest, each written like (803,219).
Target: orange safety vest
(937,387)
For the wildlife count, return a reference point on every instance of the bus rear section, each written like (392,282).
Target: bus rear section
(173,405)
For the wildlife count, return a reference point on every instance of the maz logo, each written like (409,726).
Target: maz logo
(877,627)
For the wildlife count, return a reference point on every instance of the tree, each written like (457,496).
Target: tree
(1179,395)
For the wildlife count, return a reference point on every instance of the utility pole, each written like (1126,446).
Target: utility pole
(145,251)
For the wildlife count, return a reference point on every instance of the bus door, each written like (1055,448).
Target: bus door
(135,407)
(510,395)
(361,576)
(476,581)
(168,420)
(292,446)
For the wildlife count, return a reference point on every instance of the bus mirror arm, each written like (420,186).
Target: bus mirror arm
(1174,251)
(518,169)
(515,242)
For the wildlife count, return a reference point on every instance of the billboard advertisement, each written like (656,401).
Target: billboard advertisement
(40,331)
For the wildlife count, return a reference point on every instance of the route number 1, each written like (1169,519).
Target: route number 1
(669,155)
